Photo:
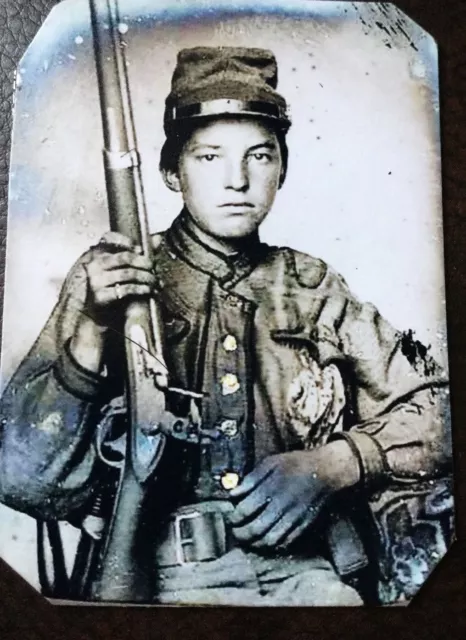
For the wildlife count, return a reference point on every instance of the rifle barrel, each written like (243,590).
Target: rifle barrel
(122,164)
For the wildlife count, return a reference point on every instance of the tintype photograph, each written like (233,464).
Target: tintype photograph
(224,374)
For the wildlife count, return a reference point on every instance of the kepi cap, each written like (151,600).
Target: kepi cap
(222,81)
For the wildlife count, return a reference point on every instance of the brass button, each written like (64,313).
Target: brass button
(230,343)
(229,428)
(230,384)
(229,480)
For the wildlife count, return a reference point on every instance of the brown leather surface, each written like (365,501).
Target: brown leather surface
(440,609)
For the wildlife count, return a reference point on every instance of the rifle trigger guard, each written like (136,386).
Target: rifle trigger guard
(104,447)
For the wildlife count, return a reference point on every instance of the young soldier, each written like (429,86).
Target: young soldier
(310,398)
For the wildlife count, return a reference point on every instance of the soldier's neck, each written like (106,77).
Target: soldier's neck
(229,248)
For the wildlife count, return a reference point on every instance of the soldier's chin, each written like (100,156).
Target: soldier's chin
(237,226)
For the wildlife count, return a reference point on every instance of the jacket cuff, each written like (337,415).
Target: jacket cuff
(80,382)
(373,464)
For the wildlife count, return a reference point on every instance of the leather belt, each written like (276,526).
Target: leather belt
(195,533)
(200,532)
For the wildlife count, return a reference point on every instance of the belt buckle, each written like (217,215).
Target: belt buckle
(181,542)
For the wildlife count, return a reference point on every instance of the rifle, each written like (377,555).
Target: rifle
(111,551)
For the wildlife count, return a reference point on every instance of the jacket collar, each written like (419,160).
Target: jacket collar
(228,269)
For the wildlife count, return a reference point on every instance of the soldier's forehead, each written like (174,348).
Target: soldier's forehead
(228,129)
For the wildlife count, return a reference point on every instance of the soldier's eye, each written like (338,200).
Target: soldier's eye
(262,157)
(208,157)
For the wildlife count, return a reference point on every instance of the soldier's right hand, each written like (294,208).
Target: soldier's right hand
(116,272)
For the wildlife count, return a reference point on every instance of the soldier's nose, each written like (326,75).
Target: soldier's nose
(236,176)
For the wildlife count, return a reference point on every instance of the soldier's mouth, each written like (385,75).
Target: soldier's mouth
(237,208)
(238,205)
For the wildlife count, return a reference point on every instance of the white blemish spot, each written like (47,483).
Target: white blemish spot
(79,39)
(51,424)
(71,57)
(418,70)
(123,28)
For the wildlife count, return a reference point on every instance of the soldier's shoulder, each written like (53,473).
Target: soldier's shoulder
(309,271)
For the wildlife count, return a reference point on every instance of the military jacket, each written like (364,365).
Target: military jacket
(283,353)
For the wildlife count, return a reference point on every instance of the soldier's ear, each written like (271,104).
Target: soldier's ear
(282,178)
(172,180)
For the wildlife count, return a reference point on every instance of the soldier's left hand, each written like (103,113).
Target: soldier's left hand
(284,494)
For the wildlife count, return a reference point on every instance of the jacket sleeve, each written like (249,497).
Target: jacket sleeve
(48,414)
(400,400)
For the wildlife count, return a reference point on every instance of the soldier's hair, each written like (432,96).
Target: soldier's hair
(177,138)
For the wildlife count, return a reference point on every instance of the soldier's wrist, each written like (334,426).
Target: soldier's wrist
(87,345)
(343,464)
(372,461)
(77,380)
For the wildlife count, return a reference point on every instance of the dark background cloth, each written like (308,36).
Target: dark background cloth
(439,610)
